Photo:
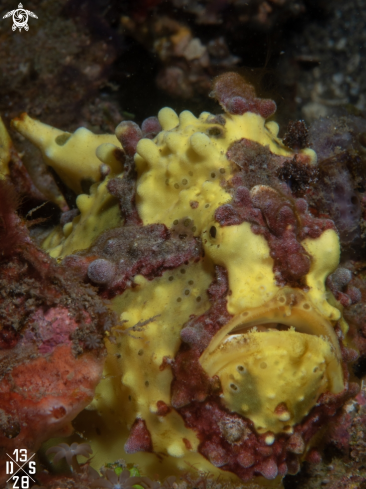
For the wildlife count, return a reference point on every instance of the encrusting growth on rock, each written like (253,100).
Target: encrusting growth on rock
(48,370)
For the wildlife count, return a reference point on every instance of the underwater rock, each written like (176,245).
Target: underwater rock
(340,189)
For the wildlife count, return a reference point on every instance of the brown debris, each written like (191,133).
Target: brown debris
(297,135)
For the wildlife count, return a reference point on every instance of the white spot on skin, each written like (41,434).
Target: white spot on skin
(269,439)
(284,416)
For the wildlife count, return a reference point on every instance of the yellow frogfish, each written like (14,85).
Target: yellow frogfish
(230,354)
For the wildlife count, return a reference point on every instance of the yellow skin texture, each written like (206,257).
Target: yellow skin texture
(300,368)
(186,162)
(132,367)
(72,156)
(98,212)
(5,148)
(259,371)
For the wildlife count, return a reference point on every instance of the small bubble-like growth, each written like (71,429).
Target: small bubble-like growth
(237,96)
(101,271)
(129,134)
(150,127)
